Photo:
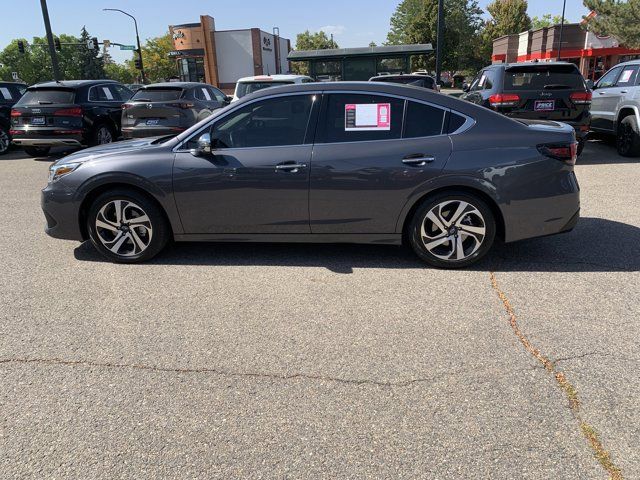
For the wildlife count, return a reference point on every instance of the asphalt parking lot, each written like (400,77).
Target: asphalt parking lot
(307,361)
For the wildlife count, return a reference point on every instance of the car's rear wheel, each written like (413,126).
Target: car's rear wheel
(126,226)
(5,141)
(101,135)
(452,230)
(628,140)
(37,151)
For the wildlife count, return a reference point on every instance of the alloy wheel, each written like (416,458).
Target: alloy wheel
(104,136)
(4,141)
(453,230)
(625,137)
(124,228)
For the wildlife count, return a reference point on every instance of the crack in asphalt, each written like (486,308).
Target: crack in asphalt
(589,433)
(563,261)
(226,373)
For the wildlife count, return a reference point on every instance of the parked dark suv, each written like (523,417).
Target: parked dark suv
(10,93)
(535,91)
(73,113)
(169,108)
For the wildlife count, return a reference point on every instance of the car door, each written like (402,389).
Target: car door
(367,161)
(604,101)
(623,89)
(256,180)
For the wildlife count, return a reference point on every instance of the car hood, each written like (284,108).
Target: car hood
(111,149)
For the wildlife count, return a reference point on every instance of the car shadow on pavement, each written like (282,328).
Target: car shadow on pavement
(603,152)
(595,245)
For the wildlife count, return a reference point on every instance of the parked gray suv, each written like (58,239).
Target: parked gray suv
(615,107)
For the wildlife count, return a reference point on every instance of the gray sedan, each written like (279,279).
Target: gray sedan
(342,162)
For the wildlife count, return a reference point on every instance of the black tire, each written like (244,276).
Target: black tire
(474,246)
(37,151)
(581,143)
(102,134)
(5,140)
(155,233)
(628,139)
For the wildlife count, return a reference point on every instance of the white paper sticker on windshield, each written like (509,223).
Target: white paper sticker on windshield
(205,92)
(626,75)
(6,94)
(108,93)
(367,116)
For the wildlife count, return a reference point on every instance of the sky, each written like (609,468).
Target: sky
(354,23)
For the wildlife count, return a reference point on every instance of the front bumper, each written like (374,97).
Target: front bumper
(61,211)
(47,137)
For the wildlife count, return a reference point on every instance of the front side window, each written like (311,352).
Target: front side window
(123,92)
(217,94)
(423,120)
(609,78)
(268,123)
(361,117)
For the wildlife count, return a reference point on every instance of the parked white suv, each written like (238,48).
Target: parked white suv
(615,107)
(249,85)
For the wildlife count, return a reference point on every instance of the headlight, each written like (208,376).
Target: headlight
(58,171)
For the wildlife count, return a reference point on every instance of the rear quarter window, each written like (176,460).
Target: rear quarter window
(41,96)
(543,77)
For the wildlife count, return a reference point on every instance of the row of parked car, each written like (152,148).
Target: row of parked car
(93,112)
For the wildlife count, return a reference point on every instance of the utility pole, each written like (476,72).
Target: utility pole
(52,48)
(440,41)
(564,6)
(135,22)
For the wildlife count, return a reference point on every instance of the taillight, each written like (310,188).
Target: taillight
(185,105)
(567,153)
(504,100)
(68,112)
(581,98)
(15,113)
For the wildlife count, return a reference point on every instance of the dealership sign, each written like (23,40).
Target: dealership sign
(178,34)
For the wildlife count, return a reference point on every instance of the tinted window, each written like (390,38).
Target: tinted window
(359,124)
(103,93)
(455,122)
(202,93)
(157,94)
(543,77)
(267,123)
(47,95)
(217,94)
(8,92)
(122,92)
(422,120)
(627,76)
(609,78)
(250,87)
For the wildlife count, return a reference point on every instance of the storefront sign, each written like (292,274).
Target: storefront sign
(266,44)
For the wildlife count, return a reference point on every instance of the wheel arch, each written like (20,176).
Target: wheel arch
(483,195)
(94,192)
(624,112)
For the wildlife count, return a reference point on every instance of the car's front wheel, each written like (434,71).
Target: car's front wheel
(126,226)
(628,140)
(452,230)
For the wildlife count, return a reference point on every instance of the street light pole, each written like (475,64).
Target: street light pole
(440,41)
(144,77)
(564,6)
(52,48)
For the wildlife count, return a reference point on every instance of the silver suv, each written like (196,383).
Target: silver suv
(615,107)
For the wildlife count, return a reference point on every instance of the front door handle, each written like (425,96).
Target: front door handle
(418,159)
(290,167)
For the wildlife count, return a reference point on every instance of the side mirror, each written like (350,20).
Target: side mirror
(591,85)
(204,146)
(228,99)
(466,87)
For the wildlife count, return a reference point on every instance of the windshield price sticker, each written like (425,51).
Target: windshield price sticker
(367,116)
(626,75)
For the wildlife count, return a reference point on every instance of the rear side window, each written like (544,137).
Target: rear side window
(455,122)
(157,94)
(44,96)
(7,93)
(361,117)
(422,120)
(628,76)
(543,77)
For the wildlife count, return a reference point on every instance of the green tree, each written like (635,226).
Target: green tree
(91,65)
(158,66)
(547,21)
(617,18)
(311,41)
(507,17)
(415,21)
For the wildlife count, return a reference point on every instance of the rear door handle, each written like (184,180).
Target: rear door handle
(290,167)
(623,91)
(418,159)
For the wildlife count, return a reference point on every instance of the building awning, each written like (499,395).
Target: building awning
(336,53)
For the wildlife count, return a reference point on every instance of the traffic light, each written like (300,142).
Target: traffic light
(137,63)
(56,43)
(20,46)
(93,44)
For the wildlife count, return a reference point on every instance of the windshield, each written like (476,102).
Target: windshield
(157,94)
(44,96)
(245,88)
(543,77)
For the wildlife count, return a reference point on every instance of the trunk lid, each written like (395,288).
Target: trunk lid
(156,107)
(47,107)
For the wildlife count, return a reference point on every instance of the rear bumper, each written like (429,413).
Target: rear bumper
(47,137)
(143,132)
